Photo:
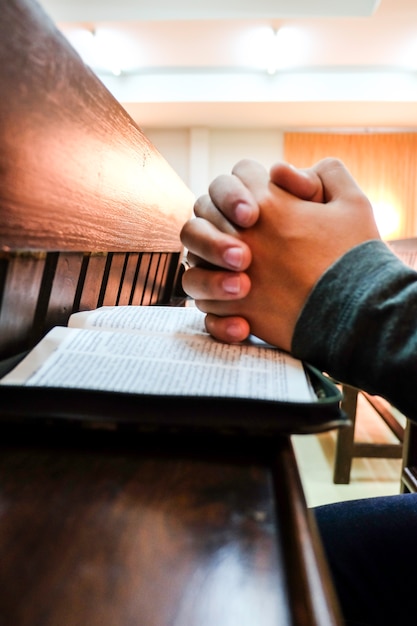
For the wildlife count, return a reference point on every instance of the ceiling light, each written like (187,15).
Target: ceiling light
(273,50)
(104,50)
(274,53)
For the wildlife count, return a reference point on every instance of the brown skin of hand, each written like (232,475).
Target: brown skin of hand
(293,243)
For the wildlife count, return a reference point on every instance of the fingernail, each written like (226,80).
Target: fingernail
(233,257)
(234,332)
(231,284)
(243,213)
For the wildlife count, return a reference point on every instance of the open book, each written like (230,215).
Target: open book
(160,353)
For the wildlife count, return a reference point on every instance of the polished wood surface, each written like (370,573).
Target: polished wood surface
(115,527)
(102,528)
(76,173)
(90,212)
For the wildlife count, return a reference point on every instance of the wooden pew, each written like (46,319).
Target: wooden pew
(113,527)
(90,211)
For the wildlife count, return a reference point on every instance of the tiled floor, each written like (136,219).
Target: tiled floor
(369,477)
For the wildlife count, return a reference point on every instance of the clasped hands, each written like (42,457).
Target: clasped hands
(260,242)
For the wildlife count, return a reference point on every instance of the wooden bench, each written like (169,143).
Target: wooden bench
(102,527)
(349,448)
(90,211)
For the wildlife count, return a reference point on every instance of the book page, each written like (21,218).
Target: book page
(145,319)
(179,365)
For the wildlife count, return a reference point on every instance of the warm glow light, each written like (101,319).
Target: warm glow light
(271,50)
(254,47)
(290,48)
(406,54)
(104,50)
(274,53)
(387,218)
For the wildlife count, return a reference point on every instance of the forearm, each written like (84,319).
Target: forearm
(360,325)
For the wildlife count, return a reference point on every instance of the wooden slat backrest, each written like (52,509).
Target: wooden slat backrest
(90,212)
(41,290)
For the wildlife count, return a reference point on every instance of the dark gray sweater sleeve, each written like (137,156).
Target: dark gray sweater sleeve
(359,325)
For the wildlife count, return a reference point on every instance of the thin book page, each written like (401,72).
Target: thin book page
(164,363)
(145,319)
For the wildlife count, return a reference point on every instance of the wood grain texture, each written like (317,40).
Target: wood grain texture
(117,528)
(126,533)
(20,298)
(76,173)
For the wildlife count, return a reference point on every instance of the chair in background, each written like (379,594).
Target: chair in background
(347,448)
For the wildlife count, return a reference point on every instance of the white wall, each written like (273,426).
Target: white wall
(200,154)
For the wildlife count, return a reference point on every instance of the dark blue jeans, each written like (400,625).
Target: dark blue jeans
(371,547)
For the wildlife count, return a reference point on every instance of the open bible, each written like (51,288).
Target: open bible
(157,365)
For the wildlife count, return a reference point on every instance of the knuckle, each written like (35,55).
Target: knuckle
(332,163)
(200,206)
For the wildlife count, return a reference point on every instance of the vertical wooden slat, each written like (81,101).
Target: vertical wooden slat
(173,290)
(170,288)
(45,290)
(137,296)
(130,276)
(63,290)
(21,292)
(158,291)
(149,294)
(41,290)
(90,289)
(117,263)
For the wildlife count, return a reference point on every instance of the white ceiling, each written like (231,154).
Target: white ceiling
(191,63)
(70,10)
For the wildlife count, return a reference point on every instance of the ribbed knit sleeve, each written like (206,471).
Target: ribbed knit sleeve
(359,325)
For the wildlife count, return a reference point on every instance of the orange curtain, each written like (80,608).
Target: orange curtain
(383,164)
